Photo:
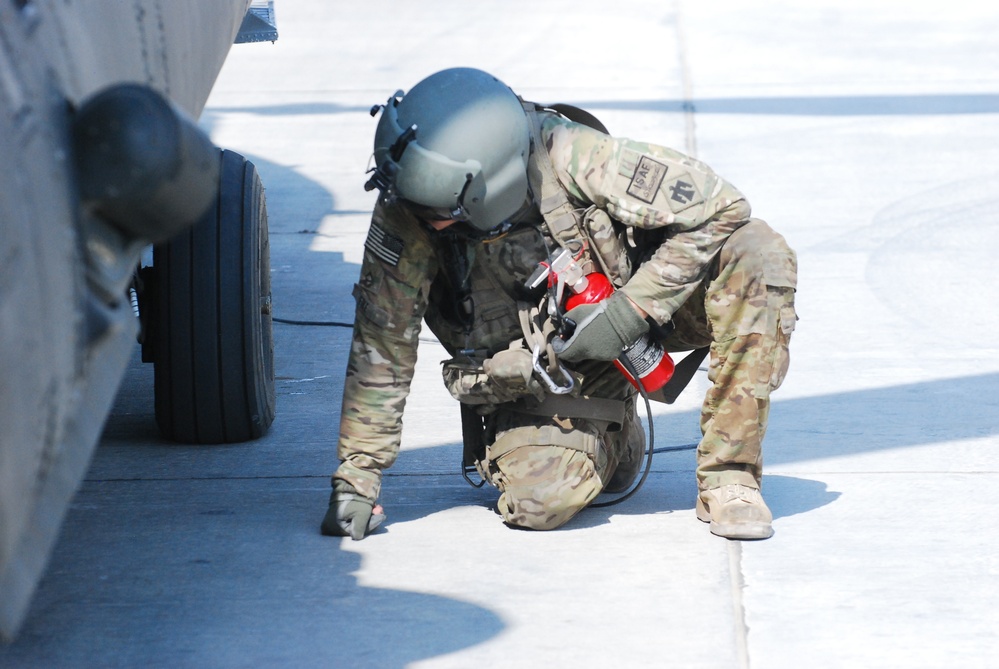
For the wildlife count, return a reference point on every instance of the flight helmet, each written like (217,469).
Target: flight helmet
(457,144)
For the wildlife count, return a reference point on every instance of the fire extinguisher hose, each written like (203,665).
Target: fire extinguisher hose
(648,451)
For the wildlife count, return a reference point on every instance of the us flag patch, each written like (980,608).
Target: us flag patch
(384,245)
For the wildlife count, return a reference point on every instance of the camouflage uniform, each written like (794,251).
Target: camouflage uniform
(724,280)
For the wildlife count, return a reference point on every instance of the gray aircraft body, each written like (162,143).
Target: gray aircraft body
(102,158)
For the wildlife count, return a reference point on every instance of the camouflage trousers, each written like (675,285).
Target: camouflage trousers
(549,469)
(744,310)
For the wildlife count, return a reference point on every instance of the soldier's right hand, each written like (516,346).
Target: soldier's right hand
(350,514)
(602,331)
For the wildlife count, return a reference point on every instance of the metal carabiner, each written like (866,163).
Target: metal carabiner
(543,373)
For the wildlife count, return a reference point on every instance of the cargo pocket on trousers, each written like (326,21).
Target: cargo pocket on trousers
(780,273)
(772,373)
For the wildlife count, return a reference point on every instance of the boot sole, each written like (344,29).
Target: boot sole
(743,531)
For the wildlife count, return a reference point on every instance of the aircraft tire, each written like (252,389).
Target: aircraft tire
(213,352)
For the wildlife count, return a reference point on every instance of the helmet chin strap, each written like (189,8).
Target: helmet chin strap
(459,213)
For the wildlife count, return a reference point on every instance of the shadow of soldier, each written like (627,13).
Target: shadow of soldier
(809,428)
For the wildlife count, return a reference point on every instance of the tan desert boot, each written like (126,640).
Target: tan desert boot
(735,512)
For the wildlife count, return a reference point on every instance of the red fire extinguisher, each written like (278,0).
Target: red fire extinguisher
(650,361)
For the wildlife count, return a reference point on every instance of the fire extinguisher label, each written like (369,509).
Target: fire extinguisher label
(644,355)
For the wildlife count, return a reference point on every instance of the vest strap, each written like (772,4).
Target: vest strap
(563,219)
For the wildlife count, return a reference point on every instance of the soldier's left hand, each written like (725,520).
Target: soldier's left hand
(603,330)
(350,514)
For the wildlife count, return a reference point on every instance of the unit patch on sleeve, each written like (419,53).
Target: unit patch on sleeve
(645,182)
(682,193)
(384,245)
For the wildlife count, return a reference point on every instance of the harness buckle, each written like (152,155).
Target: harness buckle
(543,373)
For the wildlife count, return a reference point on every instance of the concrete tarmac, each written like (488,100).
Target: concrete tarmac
(867,133)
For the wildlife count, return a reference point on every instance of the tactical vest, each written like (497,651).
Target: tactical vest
(476,297)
